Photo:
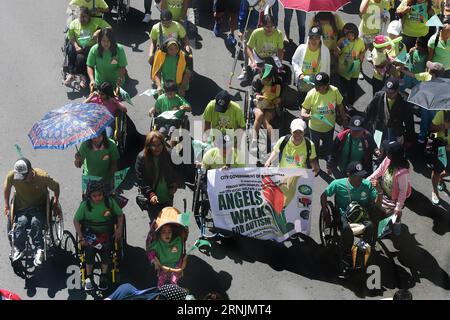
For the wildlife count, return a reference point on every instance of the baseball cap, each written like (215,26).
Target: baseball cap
(321,79)
(435,67)
(222,101)
(315,31)
(392,147)
(392,84)
(356,123)
(355,168)
(395,27)
(21,169)
(166,15)
(298,124)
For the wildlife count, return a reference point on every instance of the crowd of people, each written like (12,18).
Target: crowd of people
(370,176)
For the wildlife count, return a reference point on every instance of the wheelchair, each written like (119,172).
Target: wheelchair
(53,230)
(120,131)
(167,125)
(118,252)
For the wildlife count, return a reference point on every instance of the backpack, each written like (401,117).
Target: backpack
(308,149)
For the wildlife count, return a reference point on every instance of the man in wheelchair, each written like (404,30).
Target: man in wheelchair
(354,198)
(94,223)
(31,186)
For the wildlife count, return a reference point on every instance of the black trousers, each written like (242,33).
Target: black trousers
(77,60)
(349,87)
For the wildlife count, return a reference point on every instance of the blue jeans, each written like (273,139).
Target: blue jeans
(389,135)
(301,19)
(35,216)
(426,116)
(127,291)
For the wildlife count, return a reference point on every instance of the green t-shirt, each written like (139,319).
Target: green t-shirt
(83,34)
(99,214)
(175,30)
(165,104)
(213,159)
(294,156)
(330,37)
(347,67)
(371,21)
(233,118)
(310,67)
(439,120)
(413,23)
(169,68)
(106,67)
(442,52)
(418,61)
(162,189)
(357,152)
(423,76)
(345,193)
(98,162)
(169,254)
(266,46)
(176,8)
(323,106)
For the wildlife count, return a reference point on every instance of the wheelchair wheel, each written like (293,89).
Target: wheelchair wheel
(69,244)
(329,234)
(202,209)
(56,225)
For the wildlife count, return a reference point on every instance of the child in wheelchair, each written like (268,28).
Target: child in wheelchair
(267,99)
(94,224)
(166,246)
(165,120)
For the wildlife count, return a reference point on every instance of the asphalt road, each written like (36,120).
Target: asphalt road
(30,85)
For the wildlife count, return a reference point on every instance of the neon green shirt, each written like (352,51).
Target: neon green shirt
(423,76)
(442,52)
(107,67)
(371,21)
(83,34)
(101,4)
(310,67)
(176,8)
(266,46)
(347,67)
(294,156)
(329,37)
(233,118)
(323,106)
(413,23)
(163,103)
(213,159)
(439,120)
(175,30)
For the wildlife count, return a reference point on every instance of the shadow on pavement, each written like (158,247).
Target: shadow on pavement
(352,7)
(196,94)
(306,258)
(422,206)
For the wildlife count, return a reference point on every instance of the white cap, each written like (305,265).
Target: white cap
(298,124)
(20,170)
(395,27)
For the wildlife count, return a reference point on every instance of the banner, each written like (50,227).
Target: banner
(262,203)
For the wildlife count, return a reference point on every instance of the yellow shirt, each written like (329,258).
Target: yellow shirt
(294,156)
(322,106)
(349,53)
(371,21)
(439,120)
(329,37)
(413,22)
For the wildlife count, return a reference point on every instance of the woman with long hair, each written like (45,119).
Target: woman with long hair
(106,61)
(155,173)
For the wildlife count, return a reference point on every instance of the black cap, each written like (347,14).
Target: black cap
(107,88)
(392,84)
(356,123)
(392,147)
(355,168)
(223,99)
(322,78)
(315,31)
(166,15)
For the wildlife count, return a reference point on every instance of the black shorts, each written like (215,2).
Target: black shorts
(232,6)
(438,166)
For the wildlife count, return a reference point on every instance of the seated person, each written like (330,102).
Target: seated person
(267,99)
(82,35)
(31,185)
(170,64)
(224,155)
(105,96)
(347,192)
(97,7)
(94,224)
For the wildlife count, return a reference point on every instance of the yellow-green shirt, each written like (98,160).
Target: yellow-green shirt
(423,76)
(349,53)
(233,118)
(100,4)
(310,67)
(390,103)
(175,30)
(213,159)
(323,106)
(294,156)
(413,23)
(371,21)
(176,8)
(266,46)
(83,34)
(439,120)
(32,193)
(330,37)
(378,58)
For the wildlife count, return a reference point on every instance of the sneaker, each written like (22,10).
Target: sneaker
(39,257)
(147,18)
(441,186)
(17,254)
(88,284)
(231,40)
(344,272)
(216,29)
(241,76)
(434,198)
(361,76)
(103,284)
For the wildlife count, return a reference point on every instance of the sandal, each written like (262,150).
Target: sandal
(434,198)
(69,79)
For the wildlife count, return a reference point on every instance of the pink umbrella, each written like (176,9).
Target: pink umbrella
(314,5)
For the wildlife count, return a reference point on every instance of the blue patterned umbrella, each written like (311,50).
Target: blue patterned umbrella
(69,125)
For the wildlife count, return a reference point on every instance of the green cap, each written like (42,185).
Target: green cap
(267,70)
